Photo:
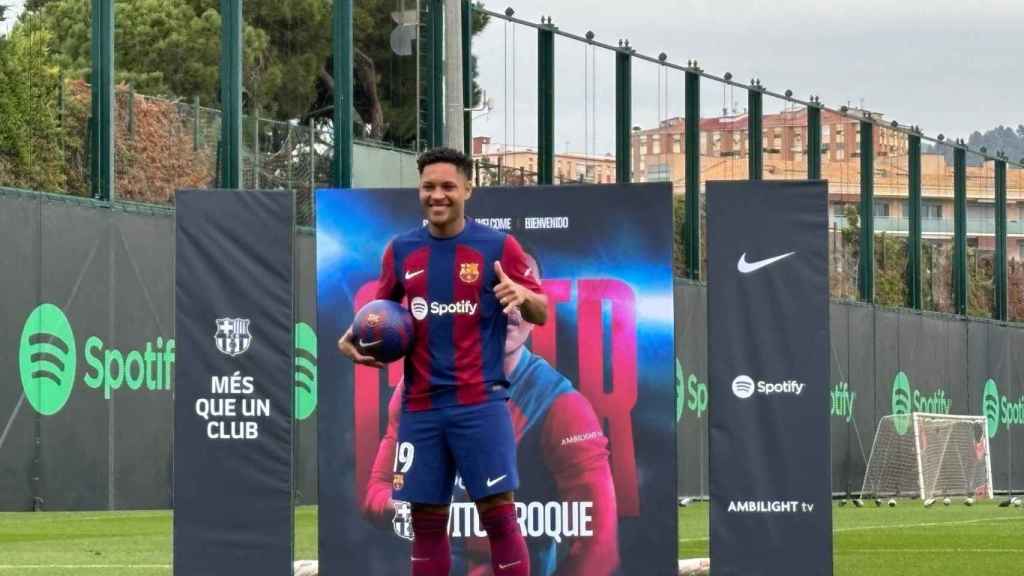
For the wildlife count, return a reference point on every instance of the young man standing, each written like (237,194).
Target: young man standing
(462,280)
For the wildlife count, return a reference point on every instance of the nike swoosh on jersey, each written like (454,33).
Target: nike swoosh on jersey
(410,275)
(747,267)
(509,565)
(369,344)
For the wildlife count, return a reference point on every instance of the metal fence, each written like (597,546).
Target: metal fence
(914,219)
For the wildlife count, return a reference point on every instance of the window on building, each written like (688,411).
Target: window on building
(881,209)
(979,211)
(658,173)
(656,145)
(840,153)
(1020,249)
(931,210)
(826,133)
(677,143)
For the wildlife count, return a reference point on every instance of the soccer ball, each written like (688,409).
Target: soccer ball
(969,502)
(892,502)
(383,329)
(928,503)
(1018,502)
(946,501)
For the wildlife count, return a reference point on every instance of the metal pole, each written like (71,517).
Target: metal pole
(431,62)
(341,165)
(960,230)
(755,138)
(691,228)
(195,124)
(545,103)
(866,275)
(814,142)
(623,113)
(1001,282)
(101,138)
(467,76)
(914,241)
(231,93)
(455,108)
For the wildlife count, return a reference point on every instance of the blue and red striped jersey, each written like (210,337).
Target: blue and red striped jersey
(459,336)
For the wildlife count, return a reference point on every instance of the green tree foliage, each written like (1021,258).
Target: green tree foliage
(171,48)
(162,47)
(31,154)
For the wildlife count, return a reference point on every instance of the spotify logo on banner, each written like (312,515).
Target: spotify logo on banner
(46,359)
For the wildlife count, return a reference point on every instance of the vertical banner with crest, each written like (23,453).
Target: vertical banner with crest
(768,370)
(592,390)
(233,395)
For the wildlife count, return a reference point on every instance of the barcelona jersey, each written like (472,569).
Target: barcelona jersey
(460,328)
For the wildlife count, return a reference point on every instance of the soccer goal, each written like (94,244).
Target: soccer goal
(928,456)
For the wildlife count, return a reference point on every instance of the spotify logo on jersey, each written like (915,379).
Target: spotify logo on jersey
(305,371)
(46,359)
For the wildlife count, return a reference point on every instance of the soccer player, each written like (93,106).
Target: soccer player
(557,429)
(463,280)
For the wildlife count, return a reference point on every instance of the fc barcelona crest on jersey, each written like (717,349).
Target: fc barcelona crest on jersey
(233,336)
(469,272)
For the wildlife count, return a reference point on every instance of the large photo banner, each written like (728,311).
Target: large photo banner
(592,391)
(768,369)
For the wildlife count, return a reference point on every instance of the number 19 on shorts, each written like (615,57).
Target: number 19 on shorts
(403,461)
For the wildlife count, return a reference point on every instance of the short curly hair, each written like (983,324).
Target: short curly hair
(451,156)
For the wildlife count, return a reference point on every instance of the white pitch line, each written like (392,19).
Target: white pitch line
(901,526)
(84,566)
(932,550)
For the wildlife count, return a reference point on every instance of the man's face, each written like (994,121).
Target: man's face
(443,194)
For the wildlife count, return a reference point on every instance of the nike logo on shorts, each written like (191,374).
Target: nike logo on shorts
(495,481)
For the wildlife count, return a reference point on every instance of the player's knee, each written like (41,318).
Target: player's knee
(485,504)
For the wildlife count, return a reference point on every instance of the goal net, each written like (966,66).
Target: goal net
(929,456)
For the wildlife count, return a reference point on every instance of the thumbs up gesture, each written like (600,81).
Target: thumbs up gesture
(507,291)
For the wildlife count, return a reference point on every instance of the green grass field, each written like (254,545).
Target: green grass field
(906,541)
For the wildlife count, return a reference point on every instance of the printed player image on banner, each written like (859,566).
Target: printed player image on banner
(591,392)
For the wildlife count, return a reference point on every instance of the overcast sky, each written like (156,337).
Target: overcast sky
(950,66)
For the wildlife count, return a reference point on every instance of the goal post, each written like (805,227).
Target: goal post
(929,455)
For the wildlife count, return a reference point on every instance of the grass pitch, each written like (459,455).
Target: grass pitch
(906,541)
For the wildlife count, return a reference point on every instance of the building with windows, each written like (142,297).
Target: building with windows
(658,155)
(499,164)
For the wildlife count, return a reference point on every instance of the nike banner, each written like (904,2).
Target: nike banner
(768,370)
(233,388)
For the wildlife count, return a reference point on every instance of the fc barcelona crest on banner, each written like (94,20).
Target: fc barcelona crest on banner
(469,272)
(233,336)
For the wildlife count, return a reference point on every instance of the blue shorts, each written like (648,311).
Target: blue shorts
(477,441)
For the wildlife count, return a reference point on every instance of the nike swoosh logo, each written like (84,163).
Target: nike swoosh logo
(415,559)
(509,565)
(368,344)
(747,267)
(411,275)
(495,481)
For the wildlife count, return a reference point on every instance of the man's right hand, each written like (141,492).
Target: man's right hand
(348,349)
